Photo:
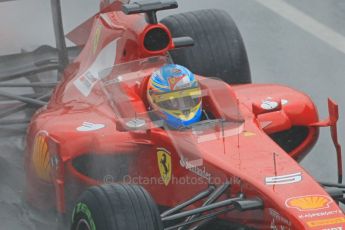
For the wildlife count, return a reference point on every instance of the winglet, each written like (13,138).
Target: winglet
(331,121)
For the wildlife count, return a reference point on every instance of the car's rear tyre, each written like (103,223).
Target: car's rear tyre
(116,207)
(219,50)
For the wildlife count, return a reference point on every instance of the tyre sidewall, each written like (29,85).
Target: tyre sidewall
(90,211)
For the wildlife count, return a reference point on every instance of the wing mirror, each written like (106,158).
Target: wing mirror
(267,106)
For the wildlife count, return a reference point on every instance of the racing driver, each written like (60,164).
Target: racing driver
(174,95)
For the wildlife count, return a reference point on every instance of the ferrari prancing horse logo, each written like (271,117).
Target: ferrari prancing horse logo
(164,165)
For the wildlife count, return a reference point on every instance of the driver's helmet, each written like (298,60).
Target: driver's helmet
(175,95)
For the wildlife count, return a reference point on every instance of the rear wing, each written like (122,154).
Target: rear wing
(106,3)
(81,33)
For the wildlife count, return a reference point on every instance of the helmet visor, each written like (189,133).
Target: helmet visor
(178,100)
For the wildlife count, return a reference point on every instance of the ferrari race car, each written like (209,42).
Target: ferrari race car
(98,152)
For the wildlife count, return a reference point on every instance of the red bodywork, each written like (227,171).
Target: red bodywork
(250,160)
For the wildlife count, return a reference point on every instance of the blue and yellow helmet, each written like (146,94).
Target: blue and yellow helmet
(175,94)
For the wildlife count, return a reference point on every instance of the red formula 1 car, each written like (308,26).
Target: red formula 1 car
(235,169)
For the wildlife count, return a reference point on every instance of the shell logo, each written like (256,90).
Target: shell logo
(311,202)
(40,158)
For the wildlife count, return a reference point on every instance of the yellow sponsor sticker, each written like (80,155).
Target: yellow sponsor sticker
(164,165)
(96,38)
(40,158)
(248,134)
(324,222)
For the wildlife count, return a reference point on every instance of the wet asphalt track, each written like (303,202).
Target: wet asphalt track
(281,50)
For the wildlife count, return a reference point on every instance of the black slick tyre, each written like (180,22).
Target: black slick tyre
(219,50)
(116,207)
